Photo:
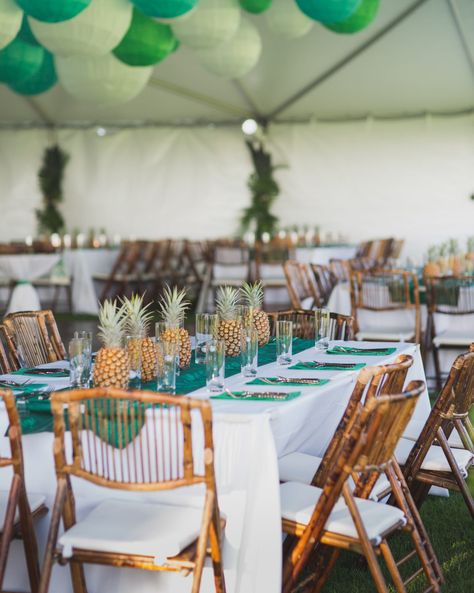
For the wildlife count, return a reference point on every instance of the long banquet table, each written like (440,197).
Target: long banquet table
(249,438)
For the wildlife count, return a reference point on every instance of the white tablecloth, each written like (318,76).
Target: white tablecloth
(23,268)
(248,437)
(322,255)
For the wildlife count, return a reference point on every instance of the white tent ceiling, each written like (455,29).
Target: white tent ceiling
(423,63)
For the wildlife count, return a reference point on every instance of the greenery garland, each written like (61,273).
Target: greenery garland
(50,178)
(264,190)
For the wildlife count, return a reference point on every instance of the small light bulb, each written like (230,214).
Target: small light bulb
(249,127)
(101,131)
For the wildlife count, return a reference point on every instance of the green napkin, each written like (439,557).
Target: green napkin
(301,367)
(288,396)
(27,373)
(341,350)
(289,383)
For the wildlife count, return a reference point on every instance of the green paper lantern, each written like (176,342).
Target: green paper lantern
(165,9)
(235,57)
(361,18)
(328,11)
(146,42)
(43,80)
(286,19)
(10,22)
(93,32)
(19,60)
(212,23)
(255,6)
(53,11)
(101,80)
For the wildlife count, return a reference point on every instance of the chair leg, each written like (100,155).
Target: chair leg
(69,297)
(7,532)
(52,537)
(437,367)
(392,567)
(464,431)
(29,541)
(327,558)
(216,553)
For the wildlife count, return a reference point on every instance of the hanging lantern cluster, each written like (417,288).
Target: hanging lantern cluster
(104,51)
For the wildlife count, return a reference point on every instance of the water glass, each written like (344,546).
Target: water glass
(284,342)
(163,326)
(246,315)
(167,362)
(134,348)
(249,351)
(215,365)
(77,362)
(86,337)
(322,321)
(206,329)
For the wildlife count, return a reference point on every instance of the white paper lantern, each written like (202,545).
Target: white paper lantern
(103,80)
(210,24)
(236,57)
(10,21)
(287,20)
(93,32)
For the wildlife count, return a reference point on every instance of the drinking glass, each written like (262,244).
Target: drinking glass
(249,351)
(87,349)
(160,328)
(215,365)
(134,348)
(206,329)
(322,322)
(284,342)
(167,362)
(76,362)
(246,315)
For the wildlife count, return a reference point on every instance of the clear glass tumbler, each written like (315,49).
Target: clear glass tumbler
(134,347)
(206,330)
(215,365)
(249,351)
(322,320)
(76,362)
(167,362)
(284,342)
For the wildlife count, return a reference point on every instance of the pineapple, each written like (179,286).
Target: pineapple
(137,324)
(252,295)
(173,309)
(112,364)
(229,328)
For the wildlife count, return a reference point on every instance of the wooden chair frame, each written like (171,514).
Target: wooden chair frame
(32,338)
(7,363)
(298,282)
(304,324)
(449,412)
(123,273)
(325,281)
(123,409)
(22,527)
(368,448)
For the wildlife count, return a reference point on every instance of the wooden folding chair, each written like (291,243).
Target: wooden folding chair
(7,362)
(269,260)
(383,292)
(318,520)
(134,441)
(18,509)
(340,269)
(33,338)
(340,327)
(302,293)
(430,460)
(123,276)
(325,282)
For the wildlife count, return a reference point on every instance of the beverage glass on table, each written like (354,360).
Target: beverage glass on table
(167,362)
(87,347)
(206,330)
(77,362)
(163,330)
(284,342)
(134,348)
(215,365)
(322,322)
(249,351)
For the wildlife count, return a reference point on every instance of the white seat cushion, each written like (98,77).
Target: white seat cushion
(307,303)
(127,527)
(435,459)
(382,334)
(454,338)
(298,502)
(414,429)
(35,501)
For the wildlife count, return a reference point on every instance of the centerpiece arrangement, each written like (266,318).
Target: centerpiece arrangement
(449,259)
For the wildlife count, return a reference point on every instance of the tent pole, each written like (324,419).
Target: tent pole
(346,60)
(454,9)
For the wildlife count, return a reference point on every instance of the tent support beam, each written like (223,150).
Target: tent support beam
(248,99)
(346,60)
(454,9)
(199,97)
(47,121)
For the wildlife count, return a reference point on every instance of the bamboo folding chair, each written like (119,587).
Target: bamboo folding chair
(134,441)
(7,362)
(301,285)
(430,460)
(321,524)
(340,269)
(33,338)
(383,292)
(454,297)
(269,261)
(340,326)
(123,276)
(325,282)
(18,509)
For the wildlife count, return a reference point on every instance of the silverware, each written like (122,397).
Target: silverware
(46,371)
(351,349)
(257,395)
(299,380)
(313,364)
(8,383)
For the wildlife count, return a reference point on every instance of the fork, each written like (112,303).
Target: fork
(258,395)
(300,381)
(313,364)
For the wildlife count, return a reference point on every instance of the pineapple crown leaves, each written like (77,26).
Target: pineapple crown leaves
(173,305)
(252,294)
(137,316)
(227,300)
(111,324)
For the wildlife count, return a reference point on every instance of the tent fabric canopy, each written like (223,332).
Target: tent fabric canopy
(418,56)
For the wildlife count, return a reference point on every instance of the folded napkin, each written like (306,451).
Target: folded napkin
(287,396)
(288,383)
(299,366)
(341,350)
(37,373)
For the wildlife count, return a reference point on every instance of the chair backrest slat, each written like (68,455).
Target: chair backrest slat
(341,326)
